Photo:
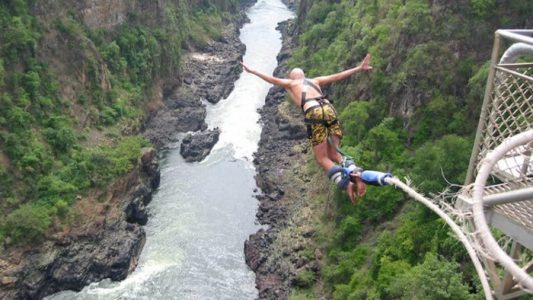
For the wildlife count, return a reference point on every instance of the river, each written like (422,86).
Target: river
(203,212)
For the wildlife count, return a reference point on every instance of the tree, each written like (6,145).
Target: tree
(435,278)
(444,159)
(353,119)
(384,142)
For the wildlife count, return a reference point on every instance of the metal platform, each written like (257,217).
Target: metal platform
(509,208)
(507,195)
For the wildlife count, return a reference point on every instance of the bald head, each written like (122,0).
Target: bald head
(296,73)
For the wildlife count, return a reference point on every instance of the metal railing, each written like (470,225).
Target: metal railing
(508,104)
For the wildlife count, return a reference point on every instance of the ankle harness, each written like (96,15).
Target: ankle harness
(349,165)
(339,176)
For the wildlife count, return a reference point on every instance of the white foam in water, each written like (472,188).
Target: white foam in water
(132,283)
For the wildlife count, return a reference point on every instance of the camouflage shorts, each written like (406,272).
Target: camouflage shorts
(318,133)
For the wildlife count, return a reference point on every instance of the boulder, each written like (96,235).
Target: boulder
(195,147)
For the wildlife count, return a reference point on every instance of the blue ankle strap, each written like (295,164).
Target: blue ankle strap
(374,177)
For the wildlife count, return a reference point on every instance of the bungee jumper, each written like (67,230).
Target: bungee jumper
(323,128)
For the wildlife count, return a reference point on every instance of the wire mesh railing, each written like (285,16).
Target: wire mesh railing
(507,106)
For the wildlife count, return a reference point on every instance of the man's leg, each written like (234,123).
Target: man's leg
(323,156)
(334,155)
(326,158)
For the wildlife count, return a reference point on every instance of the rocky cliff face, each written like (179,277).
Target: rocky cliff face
(107,246)
(102,14)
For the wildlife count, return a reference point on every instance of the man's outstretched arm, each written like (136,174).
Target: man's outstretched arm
(268,78)
(364,66)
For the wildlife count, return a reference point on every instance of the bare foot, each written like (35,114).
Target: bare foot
(361,186)
(351,193)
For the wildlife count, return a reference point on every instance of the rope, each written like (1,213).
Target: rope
(456,229)
(330,141)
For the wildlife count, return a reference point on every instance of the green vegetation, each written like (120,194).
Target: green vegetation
(62,84)
(415,114)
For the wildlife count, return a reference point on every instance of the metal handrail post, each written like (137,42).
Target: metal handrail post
(483,116)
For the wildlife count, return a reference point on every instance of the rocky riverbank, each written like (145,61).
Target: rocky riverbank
(208,74)
(106,236)
(277,258)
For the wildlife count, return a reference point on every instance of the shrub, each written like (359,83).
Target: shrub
(62,208)
(59,134)
(353,119)
(18,118)
(19,39)
(5,183)
(52,190)
(349,231)
(384,143)
(35,159)
(26,224)
(32,83)
(389,271)
(304,279)
(111,55)
(483,8)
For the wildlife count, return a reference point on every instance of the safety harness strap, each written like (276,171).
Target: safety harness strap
(304,100)
(313,85)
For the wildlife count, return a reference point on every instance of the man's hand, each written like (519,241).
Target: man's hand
(360,185)
(246,68)
(351,193)
(285,83)
(365,64)
(357,190)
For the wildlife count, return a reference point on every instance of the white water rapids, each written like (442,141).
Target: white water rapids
(203,212)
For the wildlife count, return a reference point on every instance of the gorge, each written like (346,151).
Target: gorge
(96,97)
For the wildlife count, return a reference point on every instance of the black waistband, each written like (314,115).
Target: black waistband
(321,122)
(320,103)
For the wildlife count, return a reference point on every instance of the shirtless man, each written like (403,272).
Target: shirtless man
(321,121)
